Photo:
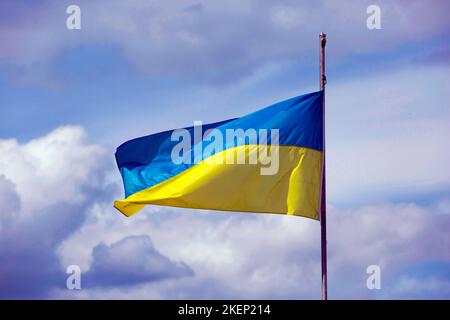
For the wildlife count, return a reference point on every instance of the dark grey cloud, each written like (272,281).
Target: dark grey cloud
(30,266)
(130,261)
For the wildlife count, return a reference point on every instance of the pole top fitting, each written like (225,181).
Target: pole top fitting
(323,39)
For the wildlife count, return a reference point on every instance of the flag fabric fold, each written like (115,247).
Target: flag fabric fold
(234,174)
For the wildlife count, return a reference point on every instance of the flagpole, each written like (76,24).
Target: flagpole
(323,204)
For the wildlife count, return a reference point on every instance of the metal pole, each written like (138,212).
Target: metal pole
(323,204)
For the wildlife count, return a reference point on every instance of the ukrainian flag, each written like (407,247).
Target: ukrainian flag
(151,176)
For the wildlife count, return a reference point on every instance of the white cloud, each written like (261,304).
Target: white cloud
(47,188)
(51,169)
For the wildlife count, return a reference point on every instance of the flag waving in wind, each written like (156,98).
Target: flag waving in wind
(268,161)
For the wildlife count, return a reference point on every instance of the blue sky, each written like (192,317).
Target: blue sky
(68,98)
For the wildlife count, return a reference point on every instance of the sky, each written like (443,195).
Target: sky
(68,98)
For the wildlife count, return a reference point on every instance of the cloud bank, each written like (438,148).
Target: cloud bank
(193,255)
(131,261)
